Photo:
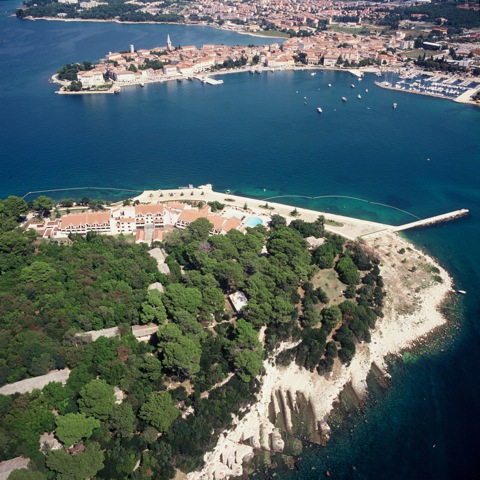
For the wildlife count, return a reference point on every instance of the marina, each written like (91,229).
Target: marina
(451,88)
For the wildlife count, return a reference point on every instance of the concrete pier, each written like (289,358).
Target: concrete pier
(208,80)
(445,217)
(432,220)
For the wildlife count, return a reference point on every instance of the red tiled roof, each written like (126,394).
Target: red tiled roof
(176,205)
(81,219)
(231,224)
(149,209)
(189,216)
(216,221)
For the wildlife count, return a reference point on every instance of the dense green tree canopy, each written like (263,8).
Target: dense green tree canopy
(179,297)
(153,309)
(25,474)
(88,285)
(80,466)
(199,229)
(159,411)
(42,205)
(248,364)
(181,356)
(97,399)
(54,291)
(122,420)
(13,207)
(292,246)
(73,427)
(331,316)
(38,272)
(347,271)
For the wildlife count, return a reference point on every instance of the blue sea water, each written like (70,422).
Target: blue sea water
(259,136)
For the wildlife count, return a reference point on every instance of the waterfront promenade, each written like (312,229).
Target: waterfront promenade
(206,77)
(349,227)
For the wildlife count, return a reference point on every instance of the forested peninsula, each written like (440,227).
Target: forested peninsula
(143,410)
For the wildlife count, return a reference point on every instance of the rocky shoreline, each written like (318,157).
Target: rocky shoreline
(291,397)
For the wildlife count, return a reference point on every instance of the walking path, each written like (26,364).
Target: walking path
(8,466)
(30,384)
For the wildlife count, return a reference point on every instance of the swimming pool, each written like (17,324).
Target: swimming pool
(253,221)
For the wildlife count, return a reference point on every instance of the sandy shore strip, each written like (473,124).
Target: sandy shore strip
(411,311)
(348,227)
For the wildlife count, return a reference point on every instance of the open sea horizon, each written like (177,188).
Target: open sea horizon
(261,136)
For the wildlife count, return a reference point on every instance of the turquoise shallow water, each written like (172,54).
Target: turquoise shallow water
(256,136)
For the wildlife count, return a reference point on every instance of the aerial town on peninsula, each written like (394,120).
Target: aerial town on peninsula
(263,16)
(372,36)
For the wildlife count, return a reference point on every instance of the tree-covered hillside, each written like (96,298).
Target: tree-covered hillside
(442,13)
(127,401)
(108,10)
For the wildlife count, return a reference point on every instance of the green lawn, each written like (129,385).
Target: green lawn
(333,287)
(354,30)
(414,53)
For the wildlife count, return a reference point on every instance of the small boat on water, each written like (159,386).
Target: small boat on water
(329,84)
(319,110)
(142,84)
(359,96)
(463,292)
(313,74)
(344,99)
(366,90)
(394,106)
(352,85)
